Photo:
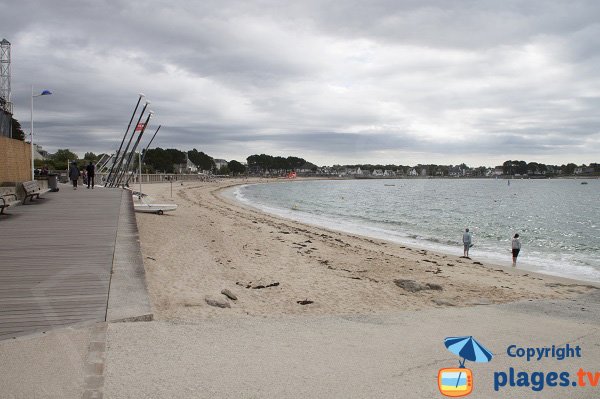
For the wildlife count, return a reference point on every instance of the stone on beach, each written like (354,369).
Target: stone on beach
(219,303)
(410,285)
(415,286)
(229,294)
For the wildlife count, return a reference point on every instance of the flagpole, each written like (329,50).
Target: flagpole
(119,170)
(140,169)
(151,140)
(141,95)
(132,153)
(31,138)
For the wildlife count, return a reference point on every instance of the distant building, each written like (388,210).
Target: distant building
(326,170)
(220,163)
(377,173)
(190,166)
(389,172)
(39,152)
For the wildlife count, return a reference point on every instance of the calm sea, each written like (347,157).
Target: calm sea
(558,220)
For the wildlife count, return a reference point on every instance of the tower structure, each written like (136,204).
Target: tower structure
(5,103)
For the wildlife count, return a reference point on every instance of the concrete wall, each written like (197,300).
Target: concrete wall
(15,161)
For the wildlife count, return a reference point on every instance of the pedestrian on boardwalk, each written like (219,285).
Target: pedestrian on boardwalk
(516,248)
(74,174)
(91,172)
(467,238)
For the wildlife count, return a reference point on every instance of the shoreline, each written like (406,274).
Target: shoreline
(489,261)
(487,255)
(241,248)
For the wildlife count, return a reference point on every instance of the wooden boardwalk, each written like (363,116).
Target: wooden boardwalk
(56,257)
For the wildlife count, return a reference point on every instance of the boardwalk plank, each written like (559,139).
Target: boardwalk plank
(56,258)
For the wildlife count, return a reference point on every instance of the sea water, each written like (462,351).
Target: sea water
(558,220)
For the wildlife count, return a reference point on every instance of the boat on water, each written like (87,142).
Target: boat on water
(584,182)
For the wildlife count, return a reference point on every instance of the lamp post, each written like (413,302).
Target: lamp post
(43,93)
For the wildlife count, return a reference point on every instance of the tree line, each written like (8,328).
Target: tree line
(158,160)
(264,162)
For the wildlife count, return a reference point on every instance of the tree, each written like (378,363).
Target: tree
(61,158)
(163,160)
(90,156)
(17,131)
(267,162)
(480,171)
(236,167)
(569,168)
(201,160)
(514,168)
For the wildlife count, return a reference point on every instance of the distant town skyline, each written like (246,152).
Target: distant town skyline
(336,82)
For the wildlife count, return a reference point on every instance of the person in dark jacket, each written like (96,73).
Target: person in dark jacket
(74,174)
(91,171)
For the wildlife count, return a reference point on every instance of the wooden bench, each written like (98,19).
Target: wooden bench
(4,203)
(32,189)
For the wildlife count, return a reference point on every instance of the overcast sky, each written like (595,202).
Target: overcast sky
(396,81)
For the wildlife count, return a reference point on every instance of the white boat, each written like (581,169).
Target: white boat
(154,208)
(141,206)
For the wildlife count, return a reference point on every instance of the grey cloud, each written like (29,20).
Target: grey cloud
(345,78)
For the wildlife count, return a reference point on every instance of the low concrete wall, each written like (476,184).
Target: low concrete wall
(15,161)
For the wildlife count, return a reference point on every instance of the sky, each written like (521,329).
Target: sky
(334,82)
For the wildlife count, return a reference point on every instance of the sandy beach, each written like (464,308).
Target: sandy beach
(375,328)
(213,243)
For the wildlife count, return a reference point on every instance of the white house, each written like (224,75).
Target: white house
(219,163)
(413,172)
(377,172)
(191,167)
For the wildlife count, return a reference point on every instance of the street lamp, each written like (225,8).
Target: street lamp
(43,93)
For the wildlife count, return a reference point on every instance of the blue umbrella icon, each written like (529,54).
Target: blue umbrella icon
(469,349)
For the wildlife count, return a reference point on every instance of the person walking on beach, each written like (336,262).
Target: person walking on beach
(91,172)
(74,174)
(516,248)
(467,237)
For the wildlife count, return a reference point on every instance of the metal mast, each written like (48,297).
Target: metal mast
(5,103)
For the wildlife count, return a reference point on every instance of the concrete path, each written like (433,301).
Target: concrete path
(380,356)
